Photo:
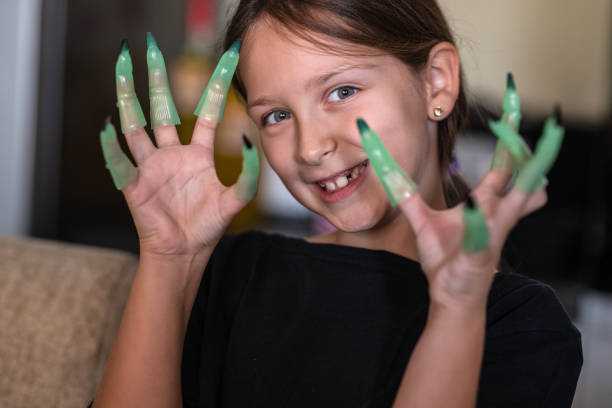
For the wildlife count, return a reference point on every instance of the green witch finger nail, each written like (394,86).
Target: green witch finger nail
(396,183)
(532,176)
(511,140)
(512,117)
(163,111)
(130,113)
(212,102)
(121,168)
(247,181)
(476,234)
(512,104)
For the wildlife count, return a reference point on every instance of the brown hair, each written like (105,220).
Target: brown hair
(407,29)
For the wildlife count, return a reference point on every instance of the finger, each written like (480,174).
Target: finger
(502,160)
(511,141)
(400,189)
(121,168)
(493,184)
(130,112)
(476,236)
(532,177)
(396,183)
(164,116)
(211,106)
(245,189)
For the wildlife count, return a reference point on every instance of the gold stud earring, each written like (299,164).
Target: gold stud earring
(438,112)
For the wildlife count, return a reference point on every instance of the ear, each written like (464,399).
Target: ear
(442,80)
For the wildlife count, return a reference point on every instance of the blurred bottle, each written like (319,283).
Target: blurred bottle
(190,73)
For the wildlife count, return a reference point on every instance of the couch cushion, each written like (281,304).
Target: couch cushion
(60,306)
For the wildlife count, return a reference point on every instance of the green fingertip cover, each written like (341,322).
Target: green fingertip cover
(163,110)
(512,104)
(532,176)
(476,233)
(512,117)
(511,140)
(212,102)
(121,168)
(130,113)
(249,176)
(396,183)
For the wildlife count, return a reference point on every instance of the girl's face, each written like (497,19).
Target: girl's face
(306,102)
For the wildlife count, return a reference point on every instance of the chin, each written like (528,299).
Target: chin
(358,219)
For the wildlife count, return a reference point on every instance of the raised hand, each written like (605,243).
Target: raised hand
(178,204)
(459,248)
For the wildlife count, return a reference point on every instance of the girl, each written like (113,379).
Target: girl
(407,304)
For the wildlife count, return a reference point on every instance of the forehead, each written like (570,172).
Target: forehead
(271,56)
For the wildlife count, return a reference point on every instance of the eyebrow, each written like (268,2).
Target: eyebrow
(316,81)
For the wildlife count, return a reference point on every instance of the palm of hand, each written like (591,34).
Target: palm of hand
(177,195)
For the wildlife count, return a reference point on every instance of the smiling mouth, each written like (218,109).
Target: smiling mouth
(344,179)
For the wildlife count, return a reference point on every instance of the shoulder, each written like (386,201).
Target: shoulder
(533,351)
(518,302)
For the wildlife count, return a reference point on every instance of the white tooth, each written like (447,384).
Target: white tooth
(341,181)
(355,172)
(330,186)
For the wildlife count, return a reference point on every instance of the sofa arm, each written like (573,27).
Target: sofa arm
(60,307)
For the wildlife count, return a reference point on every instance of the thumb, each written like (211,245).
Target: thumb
(244,190)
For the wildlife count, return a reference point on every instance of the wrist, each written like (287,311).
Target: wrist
(181,274)
(459,313)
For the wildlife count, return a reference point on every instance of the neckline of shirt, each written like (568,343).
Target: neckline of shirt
(338,252)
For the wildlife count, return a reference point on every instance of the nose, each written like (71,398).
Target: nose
(314,143)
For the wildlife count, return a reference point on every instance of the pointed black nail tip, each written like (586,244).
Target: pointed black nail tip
(362,125)
(107,121)
(469,202)
(125,46)
(247,142)
(150,39)
(558,114)
(510,83)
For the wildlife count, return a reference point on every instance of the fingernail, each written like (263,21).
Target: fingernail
(162,109)
(511,140)
(476,233)
(397,185)
(247,142)
(512,104)
(130,112)
(118,164)
(470,202)
(533,175)
(249,175)
(212,103)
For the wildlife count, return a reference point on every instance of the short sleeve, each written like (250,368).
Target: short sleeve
(533,353)
(210,321)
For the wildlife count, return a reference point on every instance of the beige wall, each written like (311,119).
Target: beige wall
(559,50)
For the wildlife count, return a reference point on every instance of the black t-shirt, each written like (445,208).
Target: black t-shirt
(281,322)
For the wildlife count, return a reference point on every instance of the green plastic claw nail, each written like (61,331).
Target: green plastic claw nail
(121,168)
(476,234)
(249,176)
(532,176)
(396,183)
(511,140)
(512,104)
(163,111)
(130,113)
(212,102)
(512,117)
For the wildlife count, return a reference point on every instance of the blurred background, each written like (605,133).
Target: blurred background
(57,82)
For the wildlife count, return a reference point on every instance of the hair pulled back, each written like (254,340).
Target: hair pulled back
(407,29)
